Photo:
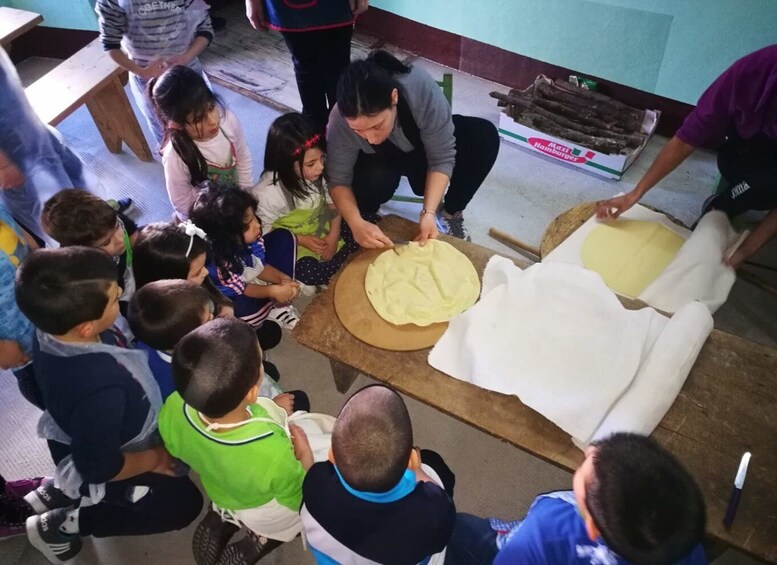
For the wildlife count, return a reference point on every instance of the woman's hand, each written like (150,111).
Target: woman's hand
(427,228)
(370,236)
(255,14)
(359,6)
(165,462)
(611,209)
(315,244)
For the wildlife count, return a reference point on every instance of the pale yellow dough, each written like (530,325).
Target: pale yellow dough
(630,254)
(411,284)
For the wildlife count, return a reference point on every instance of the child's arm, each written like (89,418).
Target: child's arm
(245,172)
(302,451)
(198,46)
(331,239)
(154,68)
(155,460)
(282,292)
(272,275)
(178,182)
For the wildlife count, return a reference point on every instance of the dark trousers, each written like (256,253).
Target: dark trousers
(376,176)
(172,503)
(473,542)
(314,272)
(319,59)
(750,169)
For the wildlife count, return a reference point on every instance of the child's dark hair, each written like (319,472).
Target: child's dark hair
(77,217)
(215,366)
(289,137)
(160,253)
(219,210)
(58,289)
(647,507)
(365,86)
(182,96)
(372,439)
(164,311)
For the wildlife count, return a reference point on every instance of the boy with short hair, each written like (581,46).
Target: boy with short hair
(632,502)
(159,315)
(250,458)
(374,500)
(101,405)
(77,217)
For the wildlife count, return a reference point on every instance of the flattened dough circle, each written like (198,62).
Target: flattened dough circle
(630,254)
(421,285)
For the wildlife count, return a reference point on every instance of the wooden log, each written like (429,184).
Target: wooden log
(572,121)
(594,95)
(602,110)
(599,144)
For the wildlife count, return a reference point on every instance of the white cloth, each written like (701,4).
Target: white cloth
(274,203)
(555,336)
(697,271)
(218,151)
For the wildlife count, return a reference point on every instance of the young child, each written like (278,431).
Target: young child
(166,250)
(250,458)
(101,407)
(148,37)
(203,140)
(76,217)
(374,501)
(162,312)
(292,194)
(632,502)
(255,272)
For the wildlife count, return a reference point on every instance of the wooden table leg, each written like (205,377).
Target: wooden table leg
(344,375)
(112,112)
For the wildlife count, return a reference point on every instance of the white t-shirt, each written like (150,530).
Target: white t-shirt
(217,151)
(274,203)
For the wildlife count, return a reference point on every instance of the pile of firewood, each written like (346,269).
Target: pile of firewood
(585,117)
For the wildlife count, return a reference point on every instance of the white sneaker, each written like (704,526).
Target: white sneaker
(285,316)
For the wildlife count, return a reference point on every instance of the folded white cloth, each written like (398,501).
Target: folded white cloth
(555,336)
(696,273)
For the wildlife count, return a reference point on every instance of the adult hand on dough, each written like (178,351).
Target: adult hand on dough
(370,236)
(611,209)
(427,229)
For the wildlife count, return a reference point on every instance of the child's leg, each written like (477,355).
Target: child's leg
(473,542)
(138,89)
(313,272)
(436,462)
(281,250)
(170,503)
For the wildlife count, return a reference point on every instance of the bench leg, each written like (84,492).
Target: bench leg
(344,375)
(112,112)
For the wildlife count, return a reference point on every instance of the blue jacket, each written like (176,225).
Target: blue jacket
(307,15)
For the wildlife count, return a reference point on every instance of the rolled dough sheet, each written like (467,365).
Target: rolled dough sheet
(411,284)
(630,254)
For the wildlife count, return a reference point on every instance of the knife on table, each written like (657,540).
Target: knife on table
(739,482)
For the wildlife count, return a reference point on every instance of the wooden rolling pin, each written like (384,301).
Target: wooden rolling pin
(521,247)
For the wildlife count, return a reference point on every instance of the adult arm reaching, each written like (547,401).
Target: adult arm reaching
(366,234)
(672,154)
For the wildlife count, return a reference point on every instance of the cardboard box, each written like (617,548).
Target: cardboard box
(608,166)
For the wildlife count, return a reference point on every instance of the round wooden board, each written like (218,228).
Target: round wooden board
(357,315)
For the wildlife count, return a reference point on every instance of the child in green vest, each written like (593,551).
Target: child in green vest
(292,194)
(202,141)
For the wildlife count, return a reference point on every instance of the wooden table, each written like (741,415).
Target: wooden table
(14,23)
(727,406)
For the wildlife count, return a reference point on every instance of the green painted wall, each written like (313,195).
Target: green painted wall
(67,14)
(673,48)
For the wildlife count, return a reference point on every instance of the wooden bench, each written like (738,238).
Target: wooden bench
(14,23)
(91,77)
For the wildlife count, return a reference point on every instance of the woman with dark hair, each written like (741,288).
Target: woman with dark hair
(392,120)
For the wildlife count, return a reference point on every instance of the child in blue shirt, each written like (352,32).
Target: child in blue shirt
(101,411)
(632,502)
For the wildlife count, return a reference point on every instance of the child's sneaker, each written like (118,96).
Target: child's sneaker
(48,497)
(123,205)
(211,537)
(45,536)
(18,489)
(453,225)
(285,316)
(13,514)
(248,550)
